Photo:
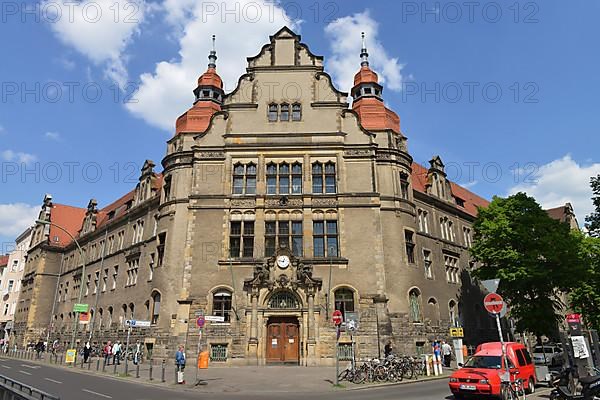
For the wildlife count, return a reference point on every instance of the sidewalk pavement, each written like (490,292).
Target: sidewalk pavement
(246,379)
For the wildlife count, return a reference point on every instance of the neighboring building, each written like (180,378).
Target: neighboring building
(10,283)
(564,214)
(277,204)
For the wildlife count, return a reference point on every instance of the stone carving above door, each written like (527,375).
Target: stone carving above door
(283,271)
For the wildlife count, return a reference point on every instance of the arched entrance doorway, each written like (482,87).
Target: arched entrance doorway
(283,332)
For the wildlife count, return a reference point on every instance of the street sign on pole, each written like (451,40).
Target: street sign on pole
(493,303)
(80,307)
(84,318)
(337,317)
(491,285)
(135,323)
(457,332)
(200,322)
(214,318)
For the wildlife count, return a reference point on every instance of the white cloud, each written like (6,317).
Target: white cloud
(16,217)
(10,155)
(166,93)
(345,40)
(52,136)
(562,181)
(100,30)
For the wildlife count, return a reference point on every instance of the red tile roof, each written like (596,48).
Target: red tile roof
(472,201)
(69,218)
(3,261)
(197,118)
(118,206)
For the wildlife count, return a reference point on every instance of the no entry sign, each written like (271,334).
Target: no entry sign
(337,317)
(493,303)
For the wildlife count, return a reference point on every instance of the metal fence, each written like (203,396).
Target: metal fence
(345,351)
(15,390)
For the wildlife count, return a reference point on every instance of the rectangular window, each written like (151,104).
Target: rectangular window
(283,232)
(284,114)
(410,246)
(14,265)
(422,219)
(297,240)
(296,112)
(250,179)
(452,271)
(10,285)
(241,239)
(296,178)
(87,284)
(284,178)
(330,178)
(151,267)
(96,281)
(218,352)
(105,280)
(467,237)
(272,113)
(160,249)
(325,239)
(427,264)
(271,179)
(270,238)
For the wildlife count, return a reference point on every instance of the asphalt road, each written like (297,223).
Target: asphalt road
(73,385)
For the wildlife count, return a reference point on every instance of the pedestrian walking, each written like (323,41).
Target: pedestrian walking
(387,350)
(87,349)
(39,347)
(137,352)
(116,351)
(107,352)
(447,353)
(180,363)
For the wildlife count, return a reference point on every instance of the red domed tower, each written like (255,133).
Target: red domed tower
(209,98)
(367,99)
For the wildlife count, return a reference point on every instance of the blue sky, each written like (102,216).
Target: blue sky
(443,65)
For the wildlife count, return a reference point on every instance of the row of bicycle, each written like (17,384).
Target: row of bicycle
(391,369)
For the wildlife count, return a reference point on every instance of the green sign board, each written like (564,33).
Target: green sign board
(80,308)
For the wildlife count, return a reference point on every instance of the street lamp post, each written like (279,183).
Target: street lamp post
(76,322)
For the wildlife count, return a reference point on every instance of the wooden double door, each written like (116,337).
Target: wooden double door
(283,344)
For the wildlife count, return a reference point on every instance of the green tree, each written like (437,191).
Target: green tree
(585,299)
(536,257)
(593,220)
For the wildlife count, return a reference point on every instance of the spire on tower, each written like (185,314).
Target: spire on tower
(364,56)
(212,57)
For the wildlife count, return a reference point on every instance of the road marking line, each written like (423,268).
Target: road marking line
(5,366)
(52,380)
(97,394)
(24,372)
(30,366)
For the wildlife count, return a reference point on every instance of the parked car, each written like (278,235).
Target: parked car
(480,374)
(548,354)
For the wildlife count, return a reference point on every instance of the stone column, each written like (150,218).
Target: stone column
(311,356)
(253,341)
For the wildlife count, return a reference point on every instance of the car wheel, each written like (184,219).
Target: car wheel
(531,386)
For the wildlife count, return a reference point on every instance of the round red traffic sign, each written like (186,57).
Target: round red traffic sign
(337,317)
(493,303)
(200,321)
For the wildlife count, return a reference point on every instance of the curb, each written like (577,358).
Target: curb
(403,382)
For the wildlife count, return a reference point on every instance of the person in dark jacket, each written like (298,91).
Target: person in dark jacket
(87,349)
(387,350)
(180,363)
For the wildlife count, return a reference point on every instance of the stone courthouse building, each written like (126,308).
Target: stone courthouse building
(277,204)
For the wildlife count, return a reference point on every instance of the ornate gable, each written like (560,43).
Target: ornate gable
(90,220)
(145,189)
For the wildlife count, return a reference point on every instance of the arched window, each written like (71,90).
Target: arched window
(284,115)
(100,318)
(414,298)
(296,178)
(272,113)
(271,178)
(222,304)
(110,316)
(344,301)
(330,177)
(283,300)
(251,178)
(155,307)
(238,179)
(317,177)
(147,306)
(131,310)
(433,311)
(452,312)
(404,185)
(124,314)
(284,178)
(296,112)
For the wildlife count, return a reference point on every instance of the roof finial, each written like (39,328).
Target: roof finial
(212,57)
(364,56)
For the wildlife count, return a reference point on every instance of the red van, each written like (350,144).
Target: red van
(480,375)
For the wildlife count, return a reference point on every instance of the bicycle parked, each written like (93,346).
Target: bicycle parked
(391,369)
(514,389)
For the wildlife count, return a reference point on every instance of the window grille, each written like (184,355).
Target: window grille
(283,300)
(218,352)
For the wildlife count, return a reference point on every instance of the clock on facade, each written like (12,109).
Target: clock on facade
(283,262)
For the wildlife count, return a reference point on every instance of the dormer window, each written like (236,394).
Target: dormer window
(273,112)
(285,112)
(206,93)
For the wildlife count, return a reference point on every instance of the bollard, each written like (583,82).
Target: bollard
(89,365)
(82,363)
(97,364)
(150,373)
(163,371)
(104,365)
(126,367)
(137,371)
(114,367)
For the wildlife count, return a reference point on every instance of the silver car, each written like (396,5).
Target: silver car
(549,354)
